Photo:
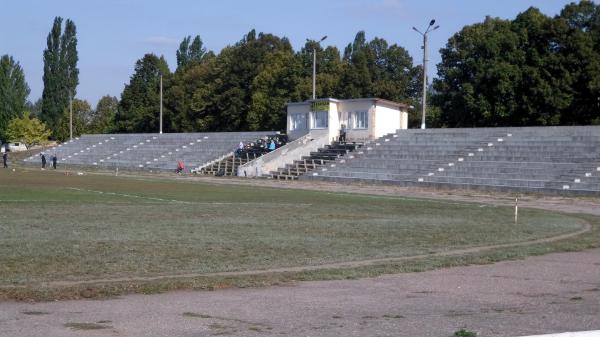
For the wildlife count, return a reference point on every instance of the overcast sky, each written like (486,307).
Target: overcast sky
(113,34)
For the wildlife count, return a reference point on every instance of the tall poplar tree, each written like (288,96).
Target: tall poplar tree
(193,53)
(61,75)
(13,92)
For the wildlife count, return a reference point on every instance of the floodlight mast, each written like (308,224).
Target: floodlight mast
(424,98)
(314,84)
(161,106)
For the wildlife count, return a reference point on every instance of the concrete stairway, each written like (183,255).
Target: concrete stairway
(147,151)
(534,159)
(227,166)
(318,159)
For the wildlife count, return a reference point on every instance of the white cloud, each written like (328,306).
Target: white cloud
(161,40)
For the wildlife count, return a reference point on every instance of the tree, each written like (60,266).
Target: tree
(190,53)
(533,70)
(480,65)
(27,130)
(13,92)
(82,113)
(140,101)
(246,86)
(577,44)
(103,117)
(375,69)
(61,75)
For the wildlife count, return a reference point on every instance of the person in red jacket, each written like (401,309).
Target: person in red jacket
(180,166)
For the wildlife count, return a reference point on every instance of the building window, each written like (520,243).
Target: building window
(298,121)
(320,119)
(361,120)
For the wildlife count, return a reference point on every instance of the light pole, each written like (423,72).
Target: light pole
(314,84)
(70,116)
(429,29)
(161,104)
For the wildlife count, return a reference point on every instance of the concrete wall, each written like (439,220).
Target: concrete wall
(285,155)
(387,120)
(334,121)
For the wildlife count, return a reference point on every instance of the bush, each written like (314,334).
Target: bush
(464,333)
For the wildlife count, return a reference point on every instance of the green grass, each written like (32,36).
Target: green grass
(69,228)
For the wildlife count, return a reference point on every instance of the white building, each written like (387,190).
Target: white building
(364,118)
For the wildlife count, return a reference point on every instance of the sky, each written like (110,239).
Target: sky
(114,34)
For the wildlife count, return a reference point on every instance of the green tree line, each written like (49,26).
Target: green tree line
(246,85)
(531,70)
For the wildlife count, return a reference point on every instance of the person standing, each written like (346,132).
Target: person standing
(43,160)
(343,134)
(5,159)
(54,159)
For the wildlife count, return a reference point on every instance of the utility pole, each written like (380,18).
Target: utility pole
(424,99)
(314,84)
(161,105)
(70,116)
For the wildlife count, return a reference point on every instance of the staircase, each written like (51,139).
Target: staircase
(317,160)
(227,166)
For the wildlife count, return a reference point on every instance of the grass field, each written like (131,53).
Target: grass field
(72,228)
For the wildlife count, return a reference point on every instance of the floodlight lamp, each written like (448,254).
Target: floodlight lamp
(436,27)
(323,38)
(432,22)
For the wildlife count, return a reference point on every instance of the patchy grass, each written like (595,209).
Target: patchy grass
(195,315)
(464,333)
(86,326)
(35,313)
(72,228)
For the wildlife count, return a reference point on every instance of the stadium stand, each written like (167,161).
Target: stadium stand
(527,159)
(316,160)
(147,151)
(228,164)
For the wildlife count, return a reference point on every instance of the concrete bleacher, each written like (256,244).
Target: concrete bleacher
(528,159)
(147,151)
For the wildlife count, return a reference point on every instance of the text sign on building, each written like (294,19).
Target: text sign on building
(319,106)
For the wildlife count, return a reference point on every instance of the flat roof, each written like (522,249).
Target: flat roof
(375,100)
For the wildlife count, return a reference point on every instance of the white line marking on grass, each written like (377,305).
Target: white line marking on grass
(126,195)
(218,203)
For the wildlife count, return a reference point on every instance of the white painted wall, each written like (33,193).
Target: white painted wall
(387,120)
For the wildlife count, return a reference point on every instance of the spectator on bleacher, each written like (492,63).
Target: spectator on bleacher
(343,133)
(5,159)
(43,160)
(54,159)
(272,145)
(180,166)
(240,149)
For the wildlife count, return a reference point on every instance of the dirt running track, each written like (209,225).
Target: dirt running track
(544,294)
(552,293)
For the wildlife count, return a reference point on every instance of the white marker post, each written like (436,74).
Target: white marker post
(516,209)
